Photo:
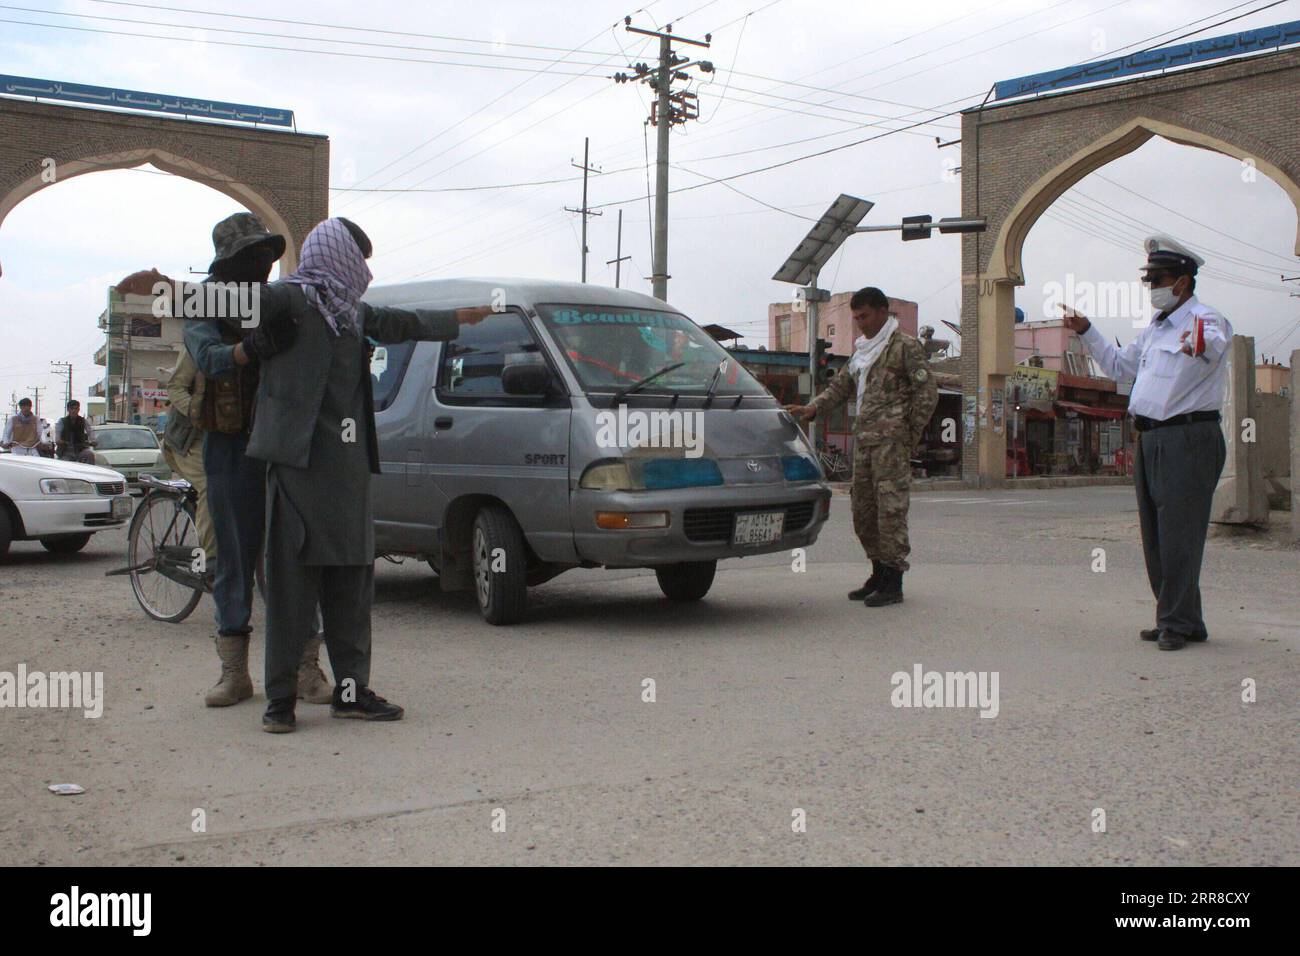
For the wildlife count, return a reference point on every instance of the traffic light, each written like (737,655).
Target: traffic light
(822,359)
(916,227)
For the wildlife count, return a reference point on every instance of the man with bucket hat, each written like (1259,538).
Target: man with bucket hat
(221,349)
(1179,368)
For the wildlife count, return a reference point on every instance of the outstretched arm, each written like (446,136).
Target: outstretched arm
(384,324)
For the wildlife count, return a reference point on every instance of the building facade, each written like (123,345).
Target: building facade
(138,354)
(787,323)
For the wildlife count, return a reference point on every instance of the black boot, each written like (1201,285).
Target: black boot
(279,718)
(890,590)
(869,585)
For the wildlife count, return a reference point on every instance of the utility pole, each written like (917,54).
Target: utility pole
(619,258)
(669,108)
(586,213)
(64,368)
(36,397)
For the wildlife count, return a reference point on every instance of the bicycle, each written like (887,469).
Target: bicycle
(164,561)
(835,464)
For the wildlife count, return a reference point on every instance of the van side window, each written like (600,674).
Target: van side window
(472,363)
(387,365)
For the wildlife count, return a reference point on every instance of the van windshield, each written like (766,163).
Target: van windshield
(612,347)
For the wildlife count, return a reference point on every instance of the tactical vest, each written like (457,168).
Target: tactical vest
(227,405)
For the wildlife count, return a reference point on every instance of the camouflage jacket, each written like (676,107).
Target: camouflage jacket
(898,398)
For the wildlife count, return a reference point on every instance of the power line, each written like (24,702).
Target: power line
(471,114)
(325,26)
(1227,235)
(280,49)
(286,36)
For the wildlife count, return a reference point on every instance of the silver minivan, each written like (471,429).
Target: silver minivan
(579,426)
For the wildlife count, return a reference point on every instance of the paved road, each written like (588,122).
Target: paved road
(772,695)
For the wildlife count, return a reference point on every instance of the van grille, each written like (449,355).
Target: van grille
(715,524)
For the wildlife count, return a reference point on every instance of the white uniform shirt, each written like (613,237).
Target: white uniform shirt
(1166,381)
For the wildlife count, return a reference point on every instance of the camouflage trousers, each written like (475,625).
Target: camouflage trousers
(880,494)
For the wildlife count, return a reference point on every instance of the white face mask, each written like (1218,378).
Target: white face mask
(1164,299)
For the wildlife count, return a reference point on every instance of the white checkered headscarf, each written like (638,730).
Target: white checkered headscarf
(333,275)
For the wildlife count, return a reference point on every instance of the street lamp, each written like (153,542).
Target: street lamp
(825,238)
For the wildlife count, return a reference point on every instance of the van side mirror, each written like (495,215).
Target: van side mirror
(526,378)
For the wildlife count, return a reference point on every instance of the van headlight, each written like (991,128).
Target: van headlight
(650,474)
(65,486)
(608,475)
(799,468)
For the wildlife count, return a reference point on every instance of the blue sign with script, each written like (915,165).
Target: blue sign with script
(1163,58)
(135,100)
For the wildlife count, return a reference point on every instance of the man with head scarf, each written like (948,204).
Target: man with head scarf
(315,427)
(245,251)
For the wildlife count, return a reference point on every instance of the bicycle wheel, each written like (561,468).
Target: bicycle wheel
(161,523)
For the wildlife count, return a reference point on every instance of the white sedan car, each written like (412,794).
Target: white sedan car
(59,503)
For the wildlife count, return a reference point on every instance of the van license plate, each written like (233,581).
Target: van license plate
(122,506)
(761,528)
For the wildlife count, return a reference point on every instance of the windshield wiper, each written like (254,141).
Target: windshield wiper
(627,390)
(713,383)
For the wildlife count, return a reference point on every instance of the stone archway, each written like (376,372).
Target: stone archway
(282,177)
(1019,158)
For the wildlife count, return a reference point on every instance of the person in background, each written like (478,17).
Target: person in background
(23,432)
(74,439)
(183,445)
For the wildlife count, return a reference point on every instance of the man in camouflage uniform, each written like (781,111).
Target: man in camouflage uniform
(894,392)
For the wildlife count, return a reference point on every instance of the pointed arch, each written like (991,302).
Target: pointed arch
(1005,262)
(265,208)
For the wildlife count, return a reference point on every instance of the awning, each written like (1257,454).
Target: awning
(1091,411)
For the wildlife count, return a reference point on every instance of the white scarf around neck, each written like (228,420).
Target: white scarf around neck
(866,351)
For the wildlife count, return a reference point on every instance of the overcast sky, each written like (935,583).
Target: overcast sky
(543,84)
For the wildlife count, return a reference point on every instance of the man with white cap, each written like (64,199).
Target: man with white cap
(1179,366)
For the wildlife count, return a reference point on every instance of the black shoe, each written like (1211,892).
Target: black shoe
(367,706)
(870,585)
(1154,633)
(279,718)
(1171,641)
(890,590)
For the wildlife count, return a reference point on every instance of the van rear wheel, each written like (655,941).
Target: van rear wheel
(688,581)
(500,566)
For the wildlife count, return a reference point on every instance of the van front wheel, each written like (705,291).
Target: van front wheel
(688,581)
(500,566)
